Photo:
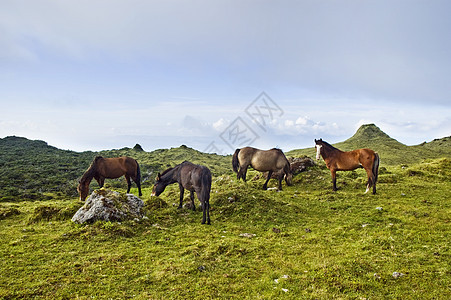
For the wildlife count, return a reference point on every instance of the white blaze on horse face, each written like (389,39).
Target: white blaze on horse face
(318,151)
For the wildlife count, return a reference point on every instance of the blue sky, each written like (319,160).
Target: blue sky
(93,75)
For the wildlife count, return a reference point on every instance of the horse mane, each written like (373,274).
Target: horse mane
(287,167)
(90,172)
(166,171)
(329,146)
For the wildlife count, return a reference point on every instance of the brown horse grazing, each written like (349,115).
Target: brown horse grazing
(264,161)
(337,160)
(116,167)
(194,178)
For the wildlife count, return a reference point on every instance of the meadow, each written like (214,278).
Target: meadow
(305,242)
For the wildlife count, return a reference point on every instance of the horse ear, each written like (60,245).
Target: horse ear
(158,177)
(316,140)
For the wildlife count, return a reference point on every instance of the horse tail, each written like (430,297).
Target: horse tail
(206,185)
(375,167)
(235,161)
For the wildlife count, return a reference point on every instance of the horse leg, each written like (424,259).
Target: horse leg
(280,181)
(242,173)
(333,172)
(370,180)
(101,181)
(205,209)
(265,186)
(129,183)
(182,191)
(191,195)
(138,184)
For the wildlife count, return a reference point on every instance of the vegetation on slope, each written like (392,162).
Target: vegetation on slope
(390,150)
(305,242)
(32,170)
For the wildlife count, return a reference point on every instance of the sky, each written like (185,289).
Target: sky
(219,75)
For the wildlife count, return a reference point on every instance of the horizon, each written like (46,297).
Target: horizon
(217,75)
(188,146)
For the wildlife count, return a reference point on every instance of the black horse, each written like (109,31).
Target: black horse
(194,178)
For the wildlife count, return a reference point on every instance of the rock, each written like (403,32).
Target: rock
(109,205)
(201,268)
(300,164)
(396,275)
(248,235)
(297,165)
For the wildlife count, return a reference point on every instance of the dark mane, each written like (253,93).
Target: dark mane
(287,167)
(166,171)
(91,171)
(326,144)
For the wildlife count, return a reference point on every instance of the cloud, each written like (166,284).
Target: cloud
(148,64)
(195,127)
(221,124)
(351,48)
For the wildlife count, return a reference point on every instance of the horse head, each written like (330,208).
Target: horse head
(83,189)
(318,145)
(158,187)
(289,178)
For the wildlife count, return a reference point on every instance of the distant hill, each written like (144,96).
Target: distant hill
(390,150)
(29,168)
(161,159)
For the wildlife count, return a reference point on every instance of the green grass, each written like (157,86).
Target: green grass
(309,243)
(305,242)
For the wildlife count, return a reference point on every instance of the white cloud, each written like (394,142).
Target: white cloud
(289,123)
(302,121)
(220,124)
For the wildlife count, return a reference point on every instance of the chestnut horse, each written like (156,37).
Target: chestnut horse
(337,160)
(116,167)
(264,161)
(194,178)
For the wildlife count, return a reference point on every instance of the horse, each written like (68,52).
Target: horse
(115,167)
(270,161)
(337,160)
(194,178)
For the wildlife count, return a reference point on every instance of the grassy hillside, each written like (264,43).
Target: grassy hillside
(32,170)
(305,242)
(390,150)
